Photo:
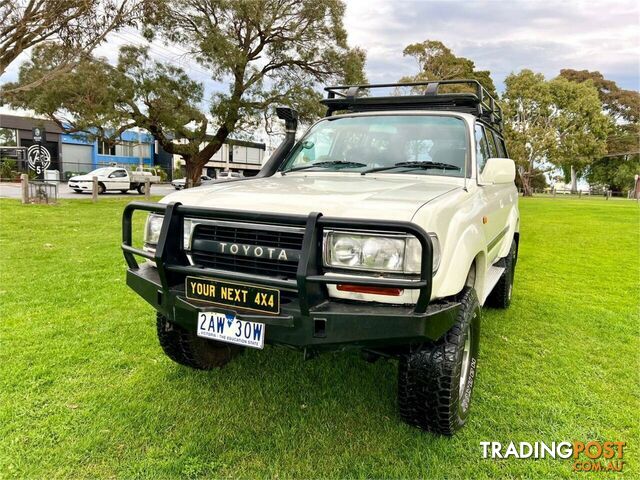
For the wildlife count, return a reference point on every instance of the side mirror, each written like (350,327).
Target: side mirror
(498,170)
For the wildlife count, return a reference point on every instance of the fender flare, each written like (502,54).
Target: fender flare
(467,250)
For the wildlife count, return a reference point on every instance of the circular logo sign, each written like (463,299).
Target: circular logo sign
(33,152)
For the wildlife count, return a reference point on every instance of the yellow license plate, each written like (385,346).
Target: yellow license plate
(232,294)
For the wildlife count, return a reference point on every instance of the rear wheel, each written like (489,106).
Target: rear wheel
(186,348)
(141,189)
(435,381)
(500,296)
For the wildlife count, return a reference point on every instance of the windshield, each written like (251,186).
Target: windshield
(100,172)
(416,144)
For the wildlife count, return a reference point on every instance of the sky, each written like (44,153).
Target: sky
(501,36)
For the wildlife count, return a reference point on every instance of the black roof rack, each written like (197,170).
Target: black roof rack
(478,101)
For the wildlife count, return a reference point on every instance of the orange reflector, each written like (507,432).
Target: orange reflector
(393,292)
(485,219)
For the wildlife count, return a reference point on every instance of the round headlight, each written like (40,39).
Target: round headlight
(346,251)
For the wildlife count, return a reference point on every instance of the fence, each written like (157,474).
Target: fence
(592,192)
(39,191)
(42,192)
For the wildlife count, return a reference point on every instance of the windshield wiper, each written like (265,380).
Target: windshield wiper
(410,165)
(329,163)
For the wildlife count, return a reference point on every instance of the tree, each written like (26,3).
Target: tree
(581,128)
(537,180)
(555,121)
(102,101)
(87,98)
(615,172)
(270,51)
(619,104)
(617,169)
(437,62)
(529,131)
(77,26)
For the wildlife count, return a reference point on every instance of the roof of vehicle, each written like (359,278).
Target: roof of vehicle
(463,96)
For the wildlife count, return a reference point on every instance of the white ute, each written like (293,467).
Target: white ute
(386,228)
(112,179)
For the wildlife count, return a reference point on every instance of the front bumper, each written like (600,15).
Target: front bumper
(333,324)
(80,185)
(309,319)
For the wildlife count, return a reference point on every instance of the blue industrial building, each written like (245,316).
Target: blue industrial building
(70,154)
(75,153)
(78,152)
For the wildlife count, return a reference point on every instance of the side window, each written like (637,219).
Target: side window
(118,174)
(493,149)
(482,149)
(502,151)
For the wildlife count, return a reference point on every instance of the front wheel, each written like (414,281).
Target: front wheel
(435,380)
(186,348)
(101,189)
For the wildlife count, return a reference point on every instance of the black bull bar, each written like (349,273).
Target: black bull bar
(310,281)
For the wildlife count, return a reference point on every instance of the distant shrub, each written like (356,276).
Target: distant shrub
(162,173)
(7,168)
(177,173)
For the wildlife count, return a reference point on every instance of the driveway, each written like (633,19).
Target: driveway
(12,190)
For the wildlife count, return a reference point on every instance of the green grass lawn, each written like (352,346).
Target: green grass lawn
(86,392)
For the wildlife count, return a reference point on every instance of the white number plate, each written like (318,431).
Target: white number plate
(227,328)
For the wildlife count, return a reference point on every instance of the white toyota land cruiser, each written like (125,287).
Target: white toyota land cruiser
(385,228)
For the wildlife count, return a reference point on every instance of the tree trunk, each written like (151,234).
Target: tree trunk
(574,180)
(526,182)
(196,163)
(192,173)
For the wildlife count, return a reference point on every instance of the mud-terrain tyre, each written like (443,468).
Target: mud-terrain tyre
(186,348)
(435,381)
(500,296)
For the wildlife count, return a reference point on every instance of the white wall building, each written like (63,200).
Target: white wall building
(235,155)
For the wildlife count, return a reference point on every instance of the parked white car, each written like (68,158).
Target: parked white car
(179,183)
(384,229)
(112,179)
(228,175)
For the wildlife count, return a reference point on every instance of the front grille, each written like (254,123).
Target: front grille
(267,237)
